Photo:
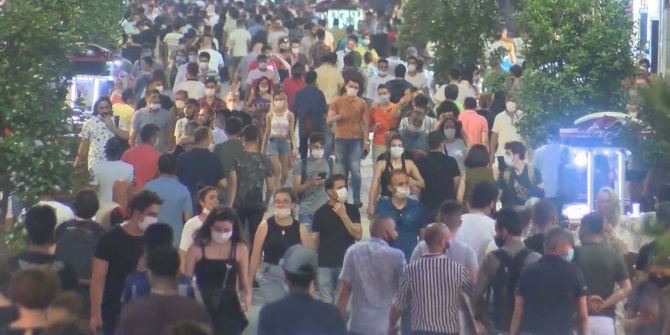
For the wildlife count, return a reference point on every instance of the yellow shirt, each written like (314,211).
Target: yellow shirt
(329,80)
(125,113)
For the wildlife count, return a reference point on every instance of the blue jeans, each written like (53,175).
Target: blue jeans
(327,280)
(348,153)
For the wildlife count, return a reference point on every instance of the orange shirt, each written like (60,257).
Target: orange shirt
(353,113)
(381,120)
(474,125)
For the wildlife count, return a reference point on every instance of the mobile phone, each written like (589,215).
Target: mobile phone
(116,119)
(322,175)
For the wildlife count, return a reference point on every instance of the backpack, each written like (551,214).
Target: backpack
(77,246)
(531,174)
(504,286)
(303,172)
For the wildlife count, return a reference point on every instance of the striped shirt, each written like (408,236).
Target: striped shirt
(431,288)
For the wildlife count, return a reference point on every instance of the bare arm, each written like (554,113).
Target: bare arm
(515,327)
(232,187)
(485,138)
(193,255)
(619,295)
(268,130)
(394,316)
(417,179)
(354,230)
(343,297)
(332,116)
(82,152)
(583,317)
(494,146)
(255,261)
(269,189)
(375,187)
(294,141)
(242,254)
(132,139)
(98,276)
(460,189)
(308,239)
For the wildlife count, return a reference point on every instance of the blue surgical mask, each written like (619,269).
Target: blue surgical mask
(182,60)
(570,255)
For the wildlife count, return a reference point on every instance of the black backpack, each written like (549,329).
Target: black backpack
(504,286)
(76,245)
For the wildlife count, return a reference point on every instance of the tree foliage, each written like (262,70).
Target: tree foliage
(460,29)
(36,70)
(577,53)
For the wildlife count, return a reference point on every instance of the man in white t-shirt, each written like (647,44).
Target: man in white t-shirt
(215,57)
(105,173)
(478,228)
(504,131)
(171,39)
(238,44)
(194,87)
(414,77)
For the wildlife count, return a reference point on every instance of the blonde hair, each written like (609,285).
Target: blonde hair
(614,216)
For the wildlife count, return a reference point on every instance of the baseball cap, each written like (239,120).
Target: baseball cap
(299,260)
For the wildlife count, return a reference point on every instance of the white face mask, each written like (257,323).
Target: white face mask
(210,92)
(279,104)
(511,106)
(206,210)
(155,106)
(449,133)
(382,73)
(396,152)
(352,91)
(159,88)
(295,51)
(179,104)
(411,67)
(509,161)
(221,237)
(384,100)
(148,221)
(282,212)
(204,65)
(318,153)
(402,192)
(341,195)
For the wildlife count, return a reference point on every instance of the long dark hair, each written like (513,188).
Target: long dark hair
(202,194)
(97,103)
(203,236)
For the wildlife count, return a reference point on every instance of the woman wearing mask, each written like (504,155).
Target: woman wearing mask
(392,160)
(219,260)
(454,145)
(259,101)
(477,170)
(95,133)
(279,141)
(367,41)
(273,237)
(208,199)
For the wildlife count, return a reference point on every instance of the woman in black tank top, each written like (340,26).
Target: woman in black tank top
(393,159)
(273,237)
(219,261)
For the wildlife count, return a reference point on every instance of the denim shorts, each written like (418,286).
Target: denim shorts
(278,146)
(306,219)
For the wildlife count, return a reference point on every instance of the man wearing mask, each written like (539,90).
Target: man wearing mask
(147,52)
(199,167)
(414,77)
(210,100)
(155,114)
(263,71)
(383,117)
(408,214)
(500,271)
(349,114)
(205,71)
(188,112)
(165,100)
(350,49)
(309,174)
(551,294)
(414,137)
(370,275)
(351,72)
(215,59)
(112,264)
(382,77)
(337,225)
(190,57)
(504,131)
(519,181)
(443,173)
(293,84)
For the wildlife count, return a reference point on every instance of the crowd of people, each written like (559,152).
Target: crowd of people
(225,172)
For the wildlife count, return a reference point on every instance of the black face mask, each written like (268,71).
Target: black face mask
(660,282)
(499,241)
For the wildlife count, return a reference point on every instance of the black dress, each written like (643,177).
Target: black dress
(217,281)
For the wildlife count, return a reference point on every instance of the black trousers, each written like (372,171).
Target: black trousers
(250,219)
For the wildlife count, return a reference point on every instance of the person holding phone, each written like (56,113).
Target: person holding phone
(309,175)
(96,132)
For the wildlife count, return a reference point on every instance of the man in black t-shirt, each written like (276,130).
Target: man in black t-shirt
(39,223)
(116,255)
(337,225)
(443,173)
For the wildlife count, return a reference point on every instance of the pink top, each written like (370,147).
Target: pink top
(474,125)
(144,159)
